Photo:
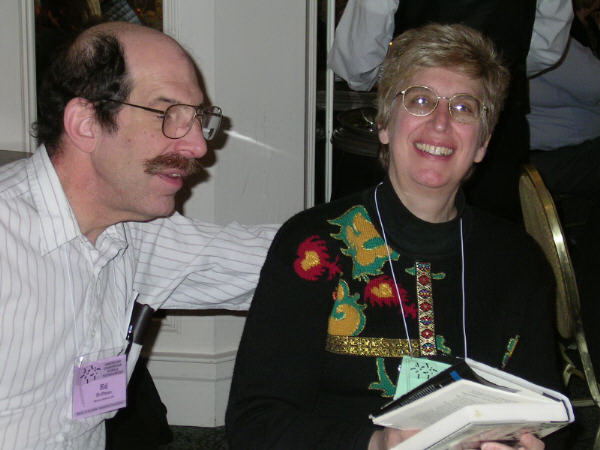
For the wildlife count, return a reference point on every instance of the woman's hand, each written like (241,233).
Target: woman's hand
(388,438)
(527,442)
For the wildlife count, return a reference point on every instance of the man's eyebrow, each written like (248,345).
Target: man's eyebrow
(168,100)
(171,101)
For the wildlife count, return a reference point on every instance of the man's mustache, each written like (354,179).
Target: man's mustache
(173,161)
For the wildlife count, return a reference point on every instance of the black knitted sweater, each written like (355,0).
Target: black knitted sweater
(325,333)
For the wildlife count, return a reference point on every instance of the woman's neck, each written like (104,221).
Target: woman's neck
(430,205)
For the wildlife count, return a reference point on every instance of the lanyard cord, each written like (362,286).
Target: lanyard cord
(387,248)
(462,276)
(462,286)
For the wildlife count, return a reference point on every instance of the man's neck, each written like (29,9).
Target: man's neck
(80,192)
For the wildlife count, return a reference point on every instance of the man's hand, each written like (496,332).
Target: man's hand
(388,438)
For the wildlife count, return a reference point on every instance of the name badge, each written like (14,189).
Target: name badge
(99,386)
(416,371)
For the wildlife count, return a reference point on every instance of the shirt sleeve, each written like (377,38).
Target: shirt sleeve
(184,263)
(361,41)
(574,79)
(550,34)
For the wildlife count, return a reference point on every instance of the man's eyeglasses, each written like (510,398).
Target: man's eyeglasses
(178,119)
(422,101)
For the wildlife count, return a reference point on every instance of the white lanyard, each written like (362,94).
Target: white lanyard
(462,278)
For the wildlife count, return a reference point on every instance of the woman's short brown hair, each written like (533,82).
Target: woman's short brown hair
(455,47)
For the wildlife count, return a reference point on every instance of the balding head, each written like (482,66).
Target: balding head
(130,35)
(140,44)
(101,63)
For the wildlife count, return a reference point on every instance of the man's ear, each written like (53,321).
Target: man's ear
(80,124)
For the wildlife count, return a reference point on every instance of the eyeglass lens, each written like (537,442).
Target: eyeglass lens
(179,119)
(211,122)
(422,101)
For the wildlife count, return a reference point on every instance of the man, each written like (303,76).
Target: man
(565,116)
(366,29)
(87,229)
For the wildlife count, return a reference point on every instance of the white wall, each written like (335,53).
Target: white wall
(16,100)
(252,55)
(260,48)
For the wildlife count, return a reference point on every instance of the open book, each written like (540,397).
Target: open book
(470,403)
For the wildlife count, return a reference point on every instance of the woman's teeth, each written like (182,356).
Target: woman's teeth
(434,149)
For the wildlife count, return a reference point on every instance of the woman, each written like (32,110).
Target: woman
(337,308)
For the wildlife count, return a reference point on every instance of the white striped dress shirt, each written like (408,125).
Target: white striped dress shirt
(61,297)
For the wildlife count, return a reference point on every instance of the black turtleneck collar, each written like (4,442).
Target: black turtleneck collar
(407,233)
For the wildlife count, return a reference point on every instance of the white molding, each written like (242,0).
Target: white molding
(311,102)
(169,324)
(170,15)
(194,387)
(206,364)
(28,83)
(197,358)
(329,93)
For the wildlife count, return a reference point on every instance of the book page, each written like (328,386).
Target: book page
(439,404)
(470,426)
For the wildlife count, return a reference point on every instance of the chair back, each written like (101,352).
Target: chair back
(542,223)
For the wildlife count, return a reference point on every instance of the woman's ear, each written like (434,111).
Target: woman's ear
(384,137)
(481,151)
(80,124)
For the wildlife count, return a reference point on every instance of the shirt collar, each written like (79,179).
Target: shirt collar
(57,219)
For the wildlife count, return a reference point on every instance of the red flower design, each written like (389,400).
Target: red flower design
(380,292)
(313,260)
(424,279)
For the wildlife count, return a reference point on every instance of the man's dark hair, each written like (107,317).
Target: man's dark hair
(91,67)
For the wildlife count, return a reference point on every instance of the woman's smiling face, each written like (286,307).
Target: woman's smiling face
(435,151)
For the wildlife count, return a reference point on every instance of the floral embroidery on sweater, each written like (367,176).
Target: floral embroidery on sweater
(380,292)
(436,276)
(510,349)
(368,287)
(313,260)
(384,383)
(347,317)
(363,243)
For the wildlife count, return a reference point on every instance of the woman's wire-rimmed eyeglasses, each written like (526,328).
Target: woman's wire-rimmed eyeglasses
(423,100)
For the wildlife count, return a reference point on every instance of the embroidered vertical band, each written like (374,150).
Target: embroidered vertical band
(425,309)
